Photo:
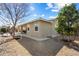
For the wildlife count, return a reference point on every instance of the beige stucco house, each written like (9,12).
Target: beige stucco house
(39,28)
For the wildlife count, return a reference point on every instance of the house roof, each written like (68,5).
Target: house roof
(38,19)
(52,20)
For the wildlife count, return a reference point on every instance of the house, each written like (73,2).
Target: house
(39,28)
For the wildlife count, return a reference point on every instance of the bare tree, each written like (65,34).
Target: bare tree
(11,13)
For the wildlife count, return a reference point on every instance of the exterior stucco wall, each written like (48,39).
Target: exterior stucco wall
(21,28)
(45,28)
(54,33)
(24,27)
(32,31)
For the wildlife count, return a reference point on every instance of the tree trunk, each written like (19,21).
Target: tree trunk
(12,32)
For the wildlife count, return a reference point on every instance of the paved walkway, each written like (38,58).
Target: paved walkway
(41,48)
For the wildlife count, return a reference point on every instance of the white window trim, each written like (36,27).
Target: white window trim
(35,26)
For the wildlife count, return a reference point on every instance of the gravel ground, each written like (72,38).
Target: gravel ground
(66,51)
(5,39)
(13,48)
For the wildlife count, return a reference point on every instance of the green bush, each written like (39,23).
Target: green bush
(3,30)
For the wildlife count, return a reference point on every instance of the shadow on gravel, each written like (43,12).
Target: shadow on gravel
(48,47)
(73,45)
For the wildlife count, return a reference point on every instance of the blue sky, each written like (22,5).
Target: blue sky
(42,10)
(45,10)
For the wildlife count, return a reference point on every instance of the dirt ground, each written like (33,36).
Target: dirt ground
(66,51)
(13,48)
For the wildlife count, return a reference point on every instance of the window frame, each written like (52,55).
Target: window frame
(36,28)
(28,28)
(36,25)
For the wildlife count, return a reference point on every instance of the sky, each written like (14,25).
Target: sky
(45,10)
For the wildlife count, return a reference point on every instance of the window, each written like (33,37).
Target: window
(36,28)
(28,28)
